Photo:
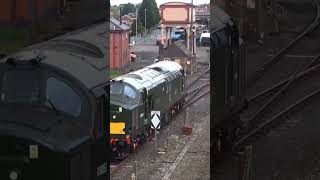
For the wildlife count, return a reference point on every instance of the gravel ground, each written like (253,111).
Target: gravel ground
(179,156)
(145,56)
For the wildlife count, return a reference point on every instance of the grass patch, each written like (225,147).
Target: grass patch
(12,39)
(114,74)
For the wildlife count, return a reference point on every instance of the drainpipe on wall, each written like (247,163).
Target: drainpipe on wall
(120,17)
(13,11)
(120,53)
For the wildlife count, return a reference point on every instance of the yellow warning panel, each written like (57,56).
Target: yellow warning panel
(117,127)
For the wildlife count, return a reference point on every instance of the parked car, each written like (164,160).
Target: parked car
(133,56)
(205,39)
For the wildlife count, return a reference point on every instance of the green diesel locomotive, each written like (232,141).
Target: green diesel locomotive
(158,87)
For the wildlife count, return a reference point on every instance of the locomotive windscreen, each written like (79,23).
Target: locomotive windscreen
(21,86)
(26,86)
(123,93)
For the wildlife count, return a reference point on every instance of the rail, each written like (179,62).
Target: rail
(277,90)
(270,61)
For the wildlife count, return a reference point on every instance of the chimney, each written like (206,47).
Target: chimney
(120,17)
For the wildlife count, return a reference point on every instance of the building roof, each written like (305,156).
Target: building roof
(177,49)
(116,25)
(176,3)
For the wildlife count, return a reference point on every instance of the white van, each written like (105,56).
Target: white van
(205,39)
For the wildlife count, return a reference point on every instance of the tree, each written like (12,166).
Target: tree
(133,28)
(127,8)
(153,16)
(115,12)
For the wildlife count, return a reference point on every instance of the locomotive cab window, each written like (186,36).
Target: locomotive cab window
(63,97)
(15,80)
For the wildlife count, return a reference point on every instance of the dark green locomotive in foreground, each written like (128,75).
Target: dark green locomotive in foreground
(53,107)
(158,87)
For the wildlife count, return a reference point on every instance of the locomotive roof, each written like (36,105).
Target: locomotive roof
(219,18)
(150,76)
(82,54)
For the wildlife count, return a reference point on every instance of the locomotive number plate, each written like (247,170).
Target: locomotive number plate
(33,152)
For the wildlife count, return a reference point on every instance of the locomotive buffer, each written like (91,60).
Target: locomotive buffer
(155,124)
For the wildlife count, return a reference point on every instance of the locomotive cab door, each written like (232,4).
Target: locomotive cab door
(145,105)
(100,147)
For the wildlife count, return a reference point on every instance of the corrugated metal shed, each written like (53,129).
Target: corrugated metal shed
(177,49)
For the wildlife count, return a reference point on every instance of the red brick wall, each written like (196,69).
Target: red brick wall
(119,49)
(22,11)
(5,10)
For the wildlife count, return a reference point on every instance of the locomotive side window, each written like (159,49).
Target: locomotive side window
(63,97)
(15,80)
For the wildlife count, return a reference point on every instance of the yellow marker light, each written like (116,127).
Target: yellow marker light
(117,128)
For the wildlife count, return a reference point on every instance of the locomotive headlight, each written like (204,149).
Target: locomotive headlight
(13,175)
(114,116)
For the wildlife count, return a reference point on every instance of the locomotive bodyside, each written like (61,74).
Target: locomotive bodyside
(227,56)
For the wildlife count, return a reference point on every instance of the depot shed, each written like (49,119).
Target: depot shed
(119,45)
(179,53)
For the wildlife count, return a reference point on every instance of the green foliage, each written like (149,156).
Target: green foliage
(133,28)
(115,11)
(127,8)
(153,16)
(114,74)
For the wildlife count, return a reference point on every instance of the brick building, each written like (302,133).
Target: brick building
(73,13)
(127,20)
(119,45)
(28,11)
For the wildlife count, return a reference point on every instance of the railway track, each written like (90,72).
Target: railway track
(256,75)
(192,95)
(273,104)
(191,98)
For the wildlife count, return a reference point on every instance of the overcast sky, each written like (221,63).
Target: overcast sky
(117,2)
